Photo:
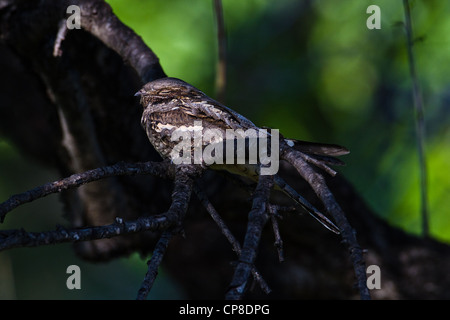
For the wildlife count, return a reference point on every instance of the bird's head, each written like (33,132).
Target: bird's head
(164,89)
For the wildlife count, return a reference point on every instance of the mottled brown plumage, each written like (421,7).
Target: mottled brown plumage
(171,104)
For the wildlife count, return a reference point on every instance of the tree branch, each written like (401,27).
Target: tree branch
(227,233)
(256,221)
(274,215)
(20,238)
(153,265)
(317,182)
(180,202)
(97,18)
(159,169)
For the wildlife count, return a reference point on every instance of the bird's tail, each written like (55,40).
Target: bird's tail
(321,155)
(323,152)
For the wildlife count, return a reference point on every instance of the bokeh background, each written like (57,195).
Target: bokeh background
(313,70)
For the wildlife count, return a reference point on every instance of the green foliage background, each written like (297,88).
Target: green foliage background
(314,72)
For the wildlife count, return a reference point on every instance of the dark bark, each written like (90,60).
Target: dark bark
(79,114)
(70,120)
(257,218)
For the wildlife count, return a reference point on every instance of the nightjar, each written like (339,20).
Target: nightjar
(174,109)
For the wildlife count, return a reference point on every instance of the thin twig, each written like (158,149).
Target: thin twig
(173,217)
(221,69)
(302,202)
(273,210)
(181,195)
(171,220)
(256,220)
(420,123)
(317,182)
(153,265)
(159,169)
(60,36)
(217,219)
(20,238)
(229,235)
(319,164)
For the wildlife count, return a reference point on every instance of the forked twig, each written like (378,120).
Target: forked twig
(172,218)
(159,169)
(20,238)
(228,234)
(318,184)
(302,202)
(184,180)
(256,220)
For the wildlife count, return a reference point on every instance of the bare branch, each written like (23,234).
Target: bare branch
(317,182)
(173,218)
(180,201)
(97,18)
(62,31)
(184,182)
(273,210)
(227,233)
(153,265)
(20,238)
(159,169)
(256,220)
(318,163)
(299,200)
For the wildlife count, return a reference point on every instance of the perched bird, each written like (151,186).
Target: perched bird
(174,109)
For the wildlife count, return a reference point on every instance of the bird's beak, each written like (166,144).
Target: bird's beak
(139,93)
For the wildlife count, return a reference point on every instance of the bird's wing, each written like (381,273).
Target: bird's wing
(213,109)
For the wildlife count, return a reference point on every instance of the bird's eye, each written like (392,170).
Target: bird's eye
(164,92)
